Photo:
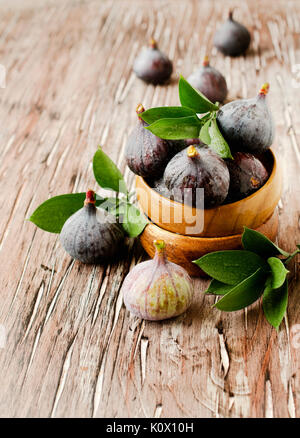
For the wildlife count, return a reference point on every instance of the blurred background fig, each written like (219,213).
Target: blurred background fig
(151,65)
(194,168)
(91,235)
(232,38)
(247,124)
(209,82)
(157,289)
(247,174)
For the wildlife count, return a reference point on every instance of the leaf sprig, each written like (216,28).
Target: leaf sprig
(240,277)
(183,122)
(53,213)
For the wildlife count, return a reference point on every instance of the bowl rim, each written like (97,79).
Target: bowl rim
(221,206)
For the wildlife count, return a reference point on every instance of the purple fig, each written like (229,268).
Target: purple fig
(151,65)
(247,124)
(192,141)
(91,235)
(232,38)
(247,174)
(160,187)
(193,168)
(209,82)
(146,155)
(157,289)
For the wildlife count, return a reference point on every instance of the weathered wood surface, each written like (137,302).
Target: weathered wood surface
(72,349)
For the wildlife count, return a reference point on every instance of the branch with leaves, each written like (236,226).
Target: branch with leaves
(53,213)
(183,122)
(240,277)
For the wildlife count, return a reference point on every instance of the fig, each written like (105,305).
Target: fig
(147,155)
(157,289)
(193,168)
(91,235)
(247,124)
(160,187)
(151,65)
(192,141)
(247,174)
(178,145)
(232,38)
(209,82)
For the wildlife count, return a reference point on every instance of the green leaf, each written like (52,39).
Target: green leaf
(204,133)
(131,219)
(260,244)
(279,272)
(166,112)
(232,266)
(243,294)
(218,142)
(111,205)
(275,302)
(53,213)
(205,118)
(176,129)
(106,173)
(218,288)
(191,98)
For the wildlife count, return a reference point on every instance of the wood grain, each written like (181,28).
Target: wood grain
(72,349)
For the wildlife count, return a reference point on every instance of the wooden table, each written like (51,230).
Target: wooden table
(72,349)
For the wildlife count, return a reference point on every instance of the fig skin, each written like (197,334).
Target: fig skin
(247,174)
(247,124)
(91,235)
(152,66)
(160,187)
(232,38)
(192,141)
(209,82)
(157,289)
(197,167)
(147,155)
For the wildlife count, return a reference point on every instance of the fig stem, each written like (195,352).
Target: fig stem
(90,198)
(205,61)
(254,182)
(265,88)
(139,109)
(192,151)
(153,43)
(159,245)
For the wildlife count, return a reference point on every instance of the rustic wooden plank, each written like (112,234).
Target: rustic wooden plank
(72,348)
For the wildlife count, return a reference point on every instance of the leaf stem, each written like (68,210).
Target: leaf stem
(291,256)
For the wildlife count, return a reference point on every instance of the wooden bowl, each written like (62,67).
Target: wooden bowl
(225,220)
(182,249)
